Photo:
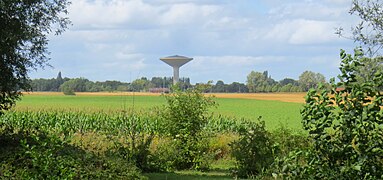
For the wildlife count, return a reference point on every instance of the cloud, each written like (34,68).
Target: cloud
(314,10)
(303,31)
(187,14)
(138,14)
(100,14)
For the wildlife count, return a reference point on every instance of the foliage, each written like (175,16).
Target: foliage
(29,153)
(370,66)
(287,140)
(346,125)
(25,28)
(185,115)
(369,32)
(259,82)
(67,90)
(253,151)
(309,79)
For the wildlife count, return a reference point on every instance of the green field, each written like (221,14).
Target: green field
(275,113)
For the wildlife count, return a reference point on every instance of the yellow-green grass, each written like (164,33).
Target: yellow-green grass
(274,113)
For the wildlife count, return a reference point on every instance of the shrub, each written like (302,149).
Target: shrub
(346,124)
(67,90)
(185,115)
(287,140)
(253,150)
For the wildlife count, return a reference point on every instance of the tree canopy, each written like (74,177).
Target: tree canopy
(23,41)
(369,32)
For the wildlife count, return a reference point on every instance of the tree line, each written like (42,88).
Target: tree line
(256,82)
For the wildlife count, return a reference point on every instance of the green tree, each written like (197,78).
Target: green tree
(25,27)
(237,87)
(287,81)
(309,79)
(369,32)
(75,85)
(142,84)
(370,67)
(219,86)
(258,82)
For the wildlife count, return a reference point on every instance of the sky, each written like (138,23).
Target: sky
(124,39)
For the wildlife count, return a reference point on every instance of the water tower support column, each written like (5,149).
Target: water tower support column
(176,74)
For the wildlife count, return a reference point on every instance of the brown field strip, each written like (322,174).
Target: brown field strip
(284,97)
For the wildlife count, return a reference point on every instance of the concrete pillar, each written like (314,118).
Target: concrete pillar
(176,74)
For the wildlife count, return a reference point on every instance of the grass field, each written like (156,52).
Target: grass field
(275,109)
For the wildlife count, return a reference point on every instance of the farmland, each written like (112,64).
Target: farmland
(108,128)
(275,109)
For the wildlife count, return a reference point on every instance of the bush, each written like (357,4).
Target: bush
(67,90)
(286,140)
(31,154)
(253,151)
(184,117)
(346,124)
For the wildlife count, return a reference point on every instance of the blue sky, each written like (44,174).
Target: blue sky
(124,39)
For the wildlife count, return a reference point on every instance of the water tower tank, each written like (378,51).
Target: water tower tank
(176,62)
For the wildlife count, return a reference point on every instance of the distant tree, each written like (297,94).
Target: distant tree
(75,85)
(25,27)
(158,82)
(370,67)
(141,84)
(219,86)
(259,82)
(58,81)
(276,88)
(286,81)
(59,77)
(309,79)
(184,83)
(286,88)
(237,87)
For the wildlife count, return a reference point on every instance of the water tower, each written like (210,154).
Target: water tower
(176,62)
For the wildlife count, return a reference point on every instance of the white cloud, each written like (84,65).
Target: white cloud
(302,31)
(312,32)
(187,14)
(315,10)
(111,14)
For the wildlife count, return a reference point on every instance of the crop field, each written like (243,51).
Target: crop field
(108,128)
(275,109)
